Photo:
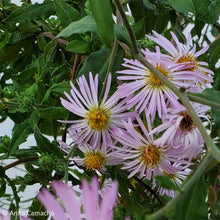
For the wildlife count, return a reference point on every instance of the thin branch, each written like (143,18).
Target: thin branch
(51,36)
(67,162)
(17,162)
(74,67)
(149,189)
(111,62)
(129,29)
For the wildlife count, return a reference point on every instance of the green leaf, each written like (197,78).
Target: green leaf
(214,11)
(165,182)
(102,12)
(10,53)
(192,204)
(183,6)
(122,34)
(19,135)
(98,62)
(201,9)
(3,39)
(2,187)
(42,43)
(77,46)
(52,112)
(14,190)
(213,96)
(44,144)
(209,94)
(58,88)
(32,12)
(66,13)
(214,52)
(79,27)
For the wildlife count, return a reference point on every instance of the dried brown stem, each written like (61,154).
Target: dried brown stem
(17,162)
(51,36)
(74,67)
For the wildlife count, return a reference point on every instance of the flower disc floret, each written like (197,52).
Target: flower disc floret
(186,123)
(151,155)
(153,79)
(94,160)
(98,119)
(185,58)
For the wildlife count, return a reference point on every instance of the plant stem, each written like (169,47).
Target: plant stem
(111,62)
(203,165)
(67,161)
(203,101)
(129,29)
(149,190)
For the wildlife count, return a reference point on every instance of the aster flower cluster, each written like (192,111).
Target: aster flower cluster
(108,132)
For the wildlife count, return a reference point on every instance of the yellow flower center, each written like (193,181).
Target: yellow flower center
(97,119)
(170,175)
(189,58)
(151,155)
(153,79)
(94,160)
(186,124)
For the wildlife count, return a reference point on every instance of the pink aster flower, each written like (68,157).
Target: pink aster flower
(186,53)
(96,118)
(180,130)
(69,207)
(177,175)
(141,155)
(150,94)
(93,159)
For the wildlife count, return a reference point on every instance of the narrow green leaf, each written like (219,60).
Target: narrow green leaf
(3,39)
(122,34)
(201,9)
(14,190)
(102,12)
(79,27)
(32,12)
(214,52)
(10,53)
(44,144)
(192,204)
(19,135)
(165,182)
(66,13)
(77,46)
(58,88)
(2,187)
(214,11)
(182,5)
(52,112)
(209,94)
(98,62)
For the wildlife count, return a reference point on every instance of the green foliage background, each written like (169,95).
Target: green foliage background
(43,46)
